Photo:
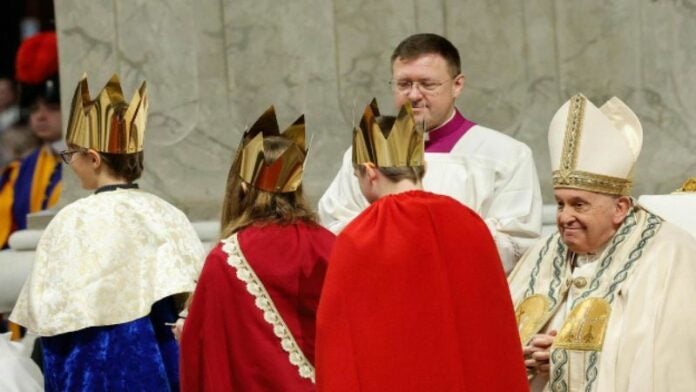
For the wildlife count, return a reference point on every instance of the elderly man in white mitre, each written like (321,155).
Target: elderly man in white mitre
(607,302)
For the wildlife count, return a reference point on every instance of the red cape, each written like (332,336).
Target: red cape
(416,299)
(226,344)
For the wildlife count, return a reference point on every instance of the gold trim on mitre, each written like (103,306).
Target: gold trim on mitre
(283,174)
(400,146)
(108,124)
(592,182)
(599,146)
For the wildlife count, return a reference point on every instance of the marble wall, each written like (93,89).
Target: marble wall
(213,66)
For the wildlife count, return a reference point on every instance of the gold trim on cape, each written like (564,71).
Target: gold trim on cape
(585,327)
(265,303)
(531,315)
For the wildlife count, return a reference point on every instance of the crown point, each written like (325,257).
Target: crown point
(126,138)
(399,146)
(280,174)
(83,89)
(369,114)
(405,110)
(296,132)
(374,107)
(267,124)
(143,87)
(270,113)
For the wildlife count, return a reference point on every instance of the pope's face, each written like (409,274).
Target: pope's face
(432,89)
(588,220)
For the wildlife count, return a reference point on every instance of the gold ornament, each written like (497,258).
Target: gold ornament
(108,124)
(400,146)
(280,175)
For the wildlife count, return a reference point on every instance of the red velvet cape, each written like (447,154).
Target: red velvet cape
(226,344)
(415,299)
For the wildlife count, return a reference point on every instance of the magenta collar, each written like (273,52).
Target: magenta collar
(445,137)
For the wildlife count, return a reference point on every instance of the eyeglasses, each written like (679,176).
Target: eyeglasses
(426,87)
(66,155)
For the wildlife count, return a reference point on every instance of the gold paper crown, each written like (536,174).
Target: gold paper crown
(283,174)
(108,124)
(400,146)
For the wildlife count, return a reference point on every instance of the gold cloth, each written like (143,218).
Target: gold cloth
(108,124)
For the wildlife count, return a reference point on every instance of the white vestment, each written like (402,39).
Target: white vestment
(678,208)
(18,372)
(106,259)
(646,276)
(489,172)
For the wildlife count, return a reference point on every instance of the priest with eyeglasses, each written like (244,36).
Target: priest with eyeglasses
(487,171)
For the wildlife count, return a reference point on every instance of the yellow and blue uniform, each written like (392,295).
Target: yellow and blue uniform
(28,185)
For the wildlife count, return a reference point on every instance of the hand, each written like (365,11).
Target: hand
(536,354)
(177,328)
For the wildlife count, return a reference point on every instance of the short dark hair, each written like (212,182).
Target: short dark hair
(418,45)
(128,166)
(395,174)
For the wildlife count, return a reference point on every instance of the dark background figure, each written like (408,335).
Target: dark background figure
(28,155)
(9,109)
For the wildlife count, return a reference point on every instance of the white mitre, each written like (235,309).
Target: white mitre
(594,149)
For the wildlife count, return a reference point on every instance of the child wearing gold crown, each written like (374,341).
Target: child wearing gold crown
(415,297)
(108,265)
(250,326)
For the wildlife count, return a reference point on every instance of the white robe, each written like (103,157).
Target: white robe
(489,172)
(105,259)
(650,342)
(18,373)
